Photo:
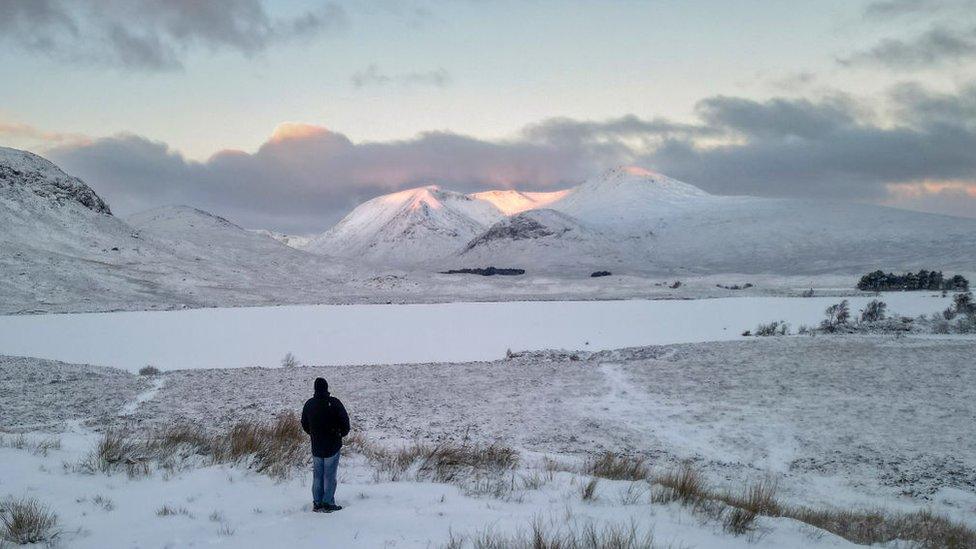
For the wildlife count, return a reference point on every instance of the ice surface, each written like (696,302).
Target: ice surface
(378,334)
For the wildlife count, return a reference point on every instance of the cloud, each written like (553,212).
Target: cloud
(943,197)
(19,133)
(888,9)
(151,35)
(305,177)
(372,76)
(938,46)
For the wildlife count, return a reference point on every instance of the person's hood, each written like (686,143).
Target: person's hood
(321,388)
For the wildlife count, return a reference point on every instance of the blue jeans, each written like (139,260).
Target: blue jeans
(324,479)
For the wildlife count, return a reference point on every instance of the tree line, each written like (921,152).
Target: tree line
(879,281)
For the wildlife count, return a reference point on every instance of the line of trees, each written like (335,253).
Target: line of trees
(879,281)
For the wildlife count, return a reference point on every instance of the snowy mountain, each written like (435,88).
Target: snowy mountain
(409,227)
(511,202)
(640,221)
(631,200)
(62,249)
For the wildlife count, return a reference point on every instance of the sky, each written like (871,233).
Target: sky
(286,114)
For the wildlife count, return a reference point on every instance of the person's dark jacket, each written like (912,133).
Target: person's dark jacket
(325,419)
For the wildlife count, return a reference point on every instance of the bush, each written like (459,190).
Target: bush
(597,274)
(963,304)
(837,316)
(26,520)
(774,328)
(290,361)
(149,370)
(874,311)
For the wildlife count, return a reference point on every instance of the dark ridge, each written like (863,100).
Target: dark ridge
(487,271)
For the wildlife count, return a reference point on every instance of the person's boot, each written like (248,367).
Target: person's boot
(331,507)
(319,508)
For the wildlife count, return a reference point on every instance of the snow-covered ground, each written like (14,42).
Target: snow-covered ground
(382,334)
(842,421)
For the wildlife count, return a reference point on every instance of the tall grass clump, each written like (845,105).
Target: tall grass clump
(685,484)
(26,521)
(589,536)
(615,466)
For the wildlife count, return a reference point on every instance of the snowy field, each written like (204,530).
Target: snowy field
(384,334)
(838,421)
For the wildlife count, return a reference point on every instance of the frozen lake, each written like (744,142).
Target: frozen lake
(380,334)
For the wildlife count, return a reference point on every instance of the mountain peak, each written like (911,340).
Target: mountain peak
(25,170)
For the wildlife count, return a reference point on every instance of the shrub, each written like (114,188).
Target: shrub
(874,311)
(774,328)
(289,361)
(616,467)
(837,316)
(964,303)
(26,520)
(807,293)
(149,370)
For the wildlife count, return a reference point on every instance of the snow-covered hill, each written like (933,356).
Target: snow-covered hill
(632,200)
(290,240)
(633,220)
(409,227)
(61,249)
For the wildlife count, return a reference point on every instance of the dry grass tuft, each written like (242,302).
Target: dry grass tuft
(923,528)
(117,451)
(449,463)
(617,467)
(759,498)
(26,520)
(588,490)
(738,521)
(36,447)
(274,448)
(169,511)
(542,537)
(685,484)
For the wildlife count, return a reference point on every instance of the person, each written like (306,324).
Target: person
(325,420)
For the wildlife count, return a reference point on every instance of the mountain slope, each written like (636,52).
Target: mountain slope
(511,202)
(631,199)
(544,238)
(62,250)
(408,227)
